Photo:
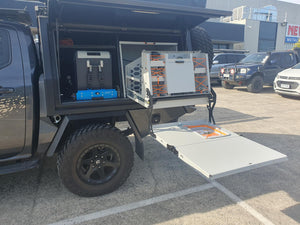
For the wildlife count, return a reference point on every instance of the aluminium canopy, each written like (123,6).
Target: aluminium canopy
(129,13)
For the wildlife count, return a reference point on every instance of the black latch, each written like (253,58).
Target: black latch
(172,149)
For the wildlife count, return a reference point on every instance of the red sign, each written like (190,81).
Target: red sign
(293,30)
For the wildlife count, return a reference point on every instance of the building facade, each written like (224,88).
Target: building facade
(268,24)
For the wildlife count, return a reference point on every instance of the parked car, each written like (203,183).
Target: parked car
(257,69)
(287,82)
(223,59)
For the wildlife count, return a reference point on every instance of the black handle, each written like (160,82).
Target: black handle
(179,61)
(6,90)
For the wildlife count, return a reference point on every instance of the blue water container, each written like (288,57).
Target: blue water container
(96,94)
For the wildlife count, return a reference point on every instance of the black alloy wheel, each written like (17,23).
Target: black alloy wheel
(98,164)
(95,160)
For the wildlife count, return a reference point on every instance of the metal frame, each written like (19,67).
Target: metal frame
(138,43)
(171,100)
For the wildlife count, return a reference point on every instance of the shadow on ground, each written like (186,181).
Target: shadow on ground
(223,116)
(38,197)
(265,90)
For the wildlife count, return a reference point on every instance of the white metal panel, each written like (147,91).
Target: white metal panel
(135,51)
(216,155)
(180,102)
(93,55)
(180,76)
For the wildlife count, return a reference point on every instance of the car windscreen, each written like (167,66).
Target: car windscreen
(255,58)
(296,66)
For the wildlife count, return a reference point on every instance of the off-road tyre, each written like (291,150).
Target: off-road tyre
(226,85)
(256,84)
(84,145)
(202,42)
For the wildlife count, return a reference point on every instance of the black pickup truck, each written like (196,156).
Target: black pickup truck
(257,69)
(39,112)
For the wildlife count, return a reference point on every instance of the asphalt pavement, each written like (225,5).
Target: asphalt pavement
(164,190)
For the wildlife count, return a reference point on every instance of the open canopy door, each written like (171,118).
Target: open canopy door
(213,151)
(129,14)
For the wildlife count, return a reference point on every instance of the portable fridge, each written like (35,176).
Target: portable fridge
(94,70)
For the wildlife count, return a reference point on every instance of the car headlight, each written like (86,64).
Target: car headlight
(244,70)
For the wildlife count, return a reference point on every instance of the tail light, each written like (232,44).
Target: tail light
(222,70)
(232,71)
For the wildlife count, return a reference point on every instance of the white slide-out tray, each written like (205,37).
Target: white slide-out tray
(213,151)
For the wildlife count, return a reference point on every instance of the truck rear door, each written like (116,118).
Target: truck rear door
(213,151)
(12,93)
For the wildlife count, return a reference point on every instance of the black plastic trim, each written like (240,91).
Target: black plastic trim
(58,136)
(18,167)
(139,146)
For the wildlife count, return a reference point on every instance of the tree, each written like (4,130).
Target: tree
(297,45)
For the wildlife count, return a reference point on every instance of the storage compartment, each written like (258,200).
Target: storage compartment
(131,53)
(168,79)
(101,26)
(88,68)
(92,65)
(98,69)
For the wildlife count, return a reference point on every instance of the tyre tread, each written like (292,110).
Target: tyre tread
(201,41)
(64,156)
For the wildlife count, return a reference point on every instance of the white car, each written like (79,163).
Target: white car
(287,82)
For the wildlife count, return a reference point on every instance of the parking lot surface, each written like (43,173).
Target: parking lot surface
(163,190)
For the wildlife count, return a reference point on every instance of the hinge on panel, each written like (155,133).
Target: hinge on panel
(211,105)
(172,149)
(41,10)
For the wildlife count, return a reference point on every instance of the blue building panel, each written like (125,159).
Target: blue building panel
(224,31)
(291,39)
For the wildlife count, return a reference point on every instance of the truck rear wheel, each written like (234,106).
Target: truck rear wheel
(256,84)
(95,160)
(202,42)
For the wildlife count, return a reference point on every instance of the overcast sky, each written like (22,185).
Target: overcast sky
(292,1)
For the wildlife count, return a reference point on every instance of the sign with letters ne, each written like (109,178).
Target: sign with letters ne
(292,33)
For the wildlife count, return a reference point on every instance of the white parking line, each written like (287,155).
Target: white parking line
(242,204)
(131,206)
(166,197)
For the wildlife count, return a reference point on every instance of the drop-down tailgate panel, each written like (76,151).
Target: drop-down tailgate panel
(213,151)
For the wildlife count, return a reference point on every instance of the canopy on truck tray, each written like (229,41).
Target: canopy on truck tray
(129,13)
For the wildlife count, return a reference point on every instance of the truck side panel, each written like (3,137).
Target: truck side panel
(12,93)
(31,74)
(50,84)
